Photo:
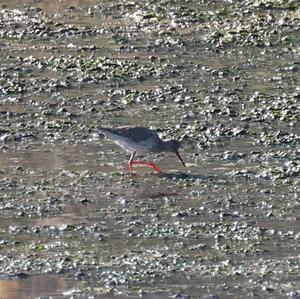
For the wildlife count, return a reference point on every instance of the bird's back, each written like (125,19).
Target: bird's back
(135,134)
(131,139)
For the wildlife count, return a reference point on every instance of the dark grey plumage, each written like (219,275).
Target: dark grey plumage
(140,140)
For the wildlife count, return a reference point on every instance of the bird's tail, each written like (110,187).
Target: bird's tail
(107,132)
(104,131)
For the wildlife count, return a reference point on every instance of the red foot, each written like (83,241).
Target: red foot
(130,168)
(147,163)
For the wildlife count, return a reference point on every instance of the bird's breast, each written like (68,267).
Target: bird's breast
(140,147)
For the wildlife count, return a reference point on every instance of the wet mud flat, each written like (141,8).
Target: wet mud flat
(222,77)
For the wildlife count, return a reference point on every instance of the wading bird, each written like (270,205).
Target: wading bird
(140,141)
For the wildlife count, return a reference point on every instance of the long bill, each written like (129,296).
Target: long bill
(179,157)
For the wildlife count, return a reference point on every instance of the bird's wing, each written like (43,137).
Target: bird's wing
(135,134)
(139,134)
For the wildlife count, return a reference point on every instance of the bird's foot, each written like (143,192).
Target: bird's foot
(146,163)
(130,168)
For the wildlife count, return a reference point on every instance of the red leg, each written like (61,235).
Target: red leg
(130,162)
(130,168)
(147,163)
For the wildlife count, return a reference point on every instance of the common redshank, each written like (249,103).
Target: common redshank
(139,141)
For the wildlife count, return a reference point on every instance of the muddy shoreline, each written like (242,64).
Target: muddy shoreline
(222,77)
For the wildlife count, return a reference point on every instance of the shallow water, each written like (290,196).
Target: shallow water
(222,79)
